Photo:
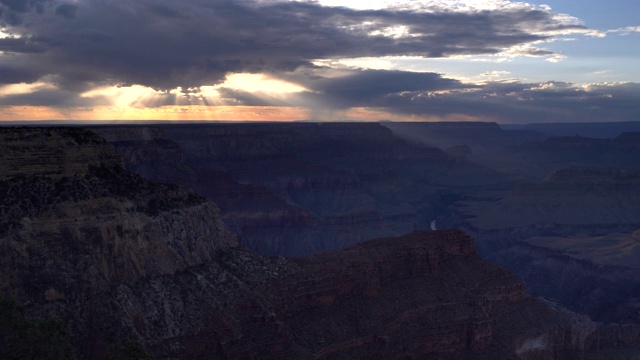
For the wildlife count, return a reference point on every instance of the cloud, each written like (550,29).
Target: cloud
(164,44)
(626,30)
(67,11)
(10,75)
(516,102)
(22,45)
(433,96)
(495,74)
(40,94)
(83,49)
(358,87)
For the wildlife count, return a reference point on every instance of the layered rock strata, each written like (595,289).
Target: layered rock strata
(117,258)
(72,231)
(301,188)
(52,152)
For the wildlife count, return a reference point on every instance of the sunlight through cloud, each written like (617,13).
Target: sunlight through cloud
(124,96)
(259,83)
(18,89)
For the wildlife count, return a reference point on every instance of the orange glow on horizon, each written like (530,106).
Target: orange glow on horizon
(173,112)
(214,113)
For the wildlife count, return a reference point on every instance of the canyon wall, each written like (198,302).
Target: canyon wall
(51,152)
(300,188)
(119,258)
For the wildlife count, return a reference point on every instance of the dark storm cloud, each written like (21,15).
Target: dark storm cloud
(365,87)
(24,5)
(22,45)
(9,75)
(432,95)
(352,88)
(78,46)
(13,12)
(164,44)
(67,10)
(525,103)
(47,97)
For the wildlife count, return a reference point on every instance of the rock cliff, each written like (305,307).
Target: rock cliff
(297,189)
(79,225)
(117,257)
(52,152)
(595,276)
(294,189)
(562,237)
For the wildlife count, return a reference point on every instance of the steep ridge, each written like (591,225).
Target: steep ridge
(373,285)
(117,258)
(69,236)
(51,152)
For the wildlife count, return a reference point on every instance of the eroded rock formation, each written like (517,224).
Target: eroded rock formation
(301,188)
(118,258)
(51,152)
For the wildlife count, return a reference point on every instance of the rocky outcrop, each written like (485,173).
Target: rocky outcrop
(116,246)
(69,237)
(427,295)
(52,152)
(374,286)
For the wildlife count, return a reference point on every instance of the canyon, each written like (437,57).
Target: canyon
(302,188)
(575,192)
(297,189)
(120,257)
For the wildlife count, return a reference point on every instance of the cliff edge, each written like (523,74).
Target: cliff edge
(119,258)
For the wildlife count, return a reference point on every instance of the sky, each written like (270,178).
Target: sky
(320,60)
